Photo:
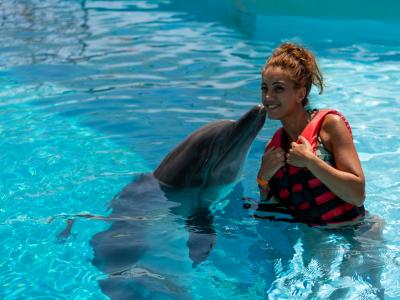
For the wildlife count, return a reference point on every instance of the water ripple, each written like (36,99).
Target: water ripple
(95,92)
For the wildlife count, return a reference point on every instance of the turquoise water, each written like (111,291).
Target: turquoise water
(94,93)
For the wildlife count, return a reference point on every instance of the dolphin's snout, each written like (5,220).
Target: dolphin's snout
(262,108)
(257,112)
(258,109)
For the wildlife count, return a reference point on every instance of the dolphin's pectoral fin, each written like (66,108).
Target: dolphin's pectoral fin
(64,235)
(70,220)
(201,235)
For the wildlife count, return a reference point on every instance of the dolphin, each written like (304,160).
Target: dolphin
(177,194)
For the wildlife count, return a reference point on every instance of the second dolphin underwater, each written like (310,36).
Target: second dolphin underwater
(179,192)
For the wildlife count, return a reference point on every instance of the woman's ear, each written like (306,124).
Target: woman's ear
(301,94)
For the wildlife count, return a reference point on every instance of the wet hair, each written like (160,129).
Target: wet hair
(300,64)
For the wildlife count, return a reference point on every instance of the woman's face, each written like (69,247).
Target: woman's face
(278,94)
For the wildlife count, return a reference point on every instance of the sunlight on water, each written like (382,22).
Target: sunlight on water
(94,93)
(51,171)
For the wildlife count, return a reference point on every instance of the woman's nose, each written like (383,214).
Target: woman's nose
(267,95)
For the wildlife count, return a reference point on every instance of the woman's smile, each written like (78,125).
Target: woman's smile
(271,107)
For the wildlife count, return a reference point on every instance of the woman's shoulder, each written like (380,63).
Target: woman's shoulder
(335,123)
(334,129)
(332,121)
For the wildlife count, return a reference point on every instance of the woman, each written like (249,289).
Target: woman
(311,165)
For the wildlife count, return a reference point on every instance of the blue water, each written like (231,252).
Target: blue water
(93,93)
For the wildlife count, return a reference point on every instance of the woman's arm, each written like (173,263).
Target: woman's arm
(346,179)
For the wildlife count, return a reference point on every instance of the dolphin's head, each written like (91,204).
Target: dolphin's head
(213,154)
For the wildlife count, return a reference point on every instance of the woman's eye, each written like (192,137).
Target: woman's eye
(279,89)
(264,88)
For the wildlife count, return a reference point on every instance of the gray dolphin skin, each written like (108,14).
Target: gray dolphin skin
(212,155)
(147,212)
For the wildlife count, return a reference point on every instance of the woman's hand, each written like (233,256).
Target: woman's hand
(300,154)
(273,159)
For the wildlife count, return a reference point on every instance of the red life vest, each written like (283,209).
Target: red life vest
(304,194)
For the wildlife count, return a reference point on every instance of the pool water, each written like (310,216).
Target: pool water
(94,93)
